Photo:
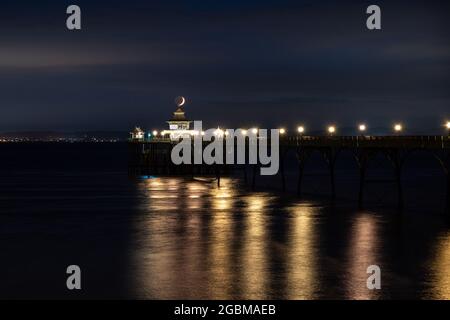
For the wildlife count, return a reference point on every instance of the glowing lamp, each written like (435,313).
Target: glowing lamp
(398,127)
(218,132)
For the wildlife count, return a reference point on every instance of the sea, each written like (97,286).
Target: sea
(166,237)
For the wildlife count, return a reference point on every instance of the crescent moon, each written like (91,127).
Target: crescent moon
(183,101)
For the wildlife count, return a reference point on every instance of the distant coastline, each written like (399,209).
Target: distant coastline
(54,136)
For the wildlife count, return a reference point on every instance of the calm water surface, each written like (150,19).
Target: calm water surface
(176,238)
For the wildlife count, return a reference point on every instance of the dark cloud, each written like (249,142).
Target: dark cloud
(238,62)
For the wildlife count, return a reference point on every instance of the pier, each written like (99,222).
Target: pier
(152,157)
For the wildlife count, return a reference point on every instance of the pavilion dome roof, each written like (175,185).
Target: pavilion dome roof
(137,130)
(179,115)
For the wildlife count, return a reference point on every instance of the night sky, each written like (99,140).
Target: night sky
(268,63)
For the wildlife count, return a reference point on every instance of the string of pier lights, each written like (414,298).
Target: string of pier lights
(331,129)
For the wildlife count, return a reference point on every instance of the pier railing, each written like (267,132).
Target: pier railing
(361,141)
(370,141)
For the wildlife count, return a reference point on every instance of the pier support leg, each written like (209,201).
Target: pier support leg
(362,162)
(245,175)
(302,156)
(218,175)
(333,185)
(399,190)
(254,177)
(330,157)
(397,163)
(448,195)
(444,160)
(394,156)
(300,179)
(283,178)
(362,179)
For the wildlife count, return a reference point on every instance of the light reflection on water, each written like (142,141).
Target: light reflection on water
(254,247)
(302,261)
(441,269)
(363,252)
(178,238)
(196,241)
